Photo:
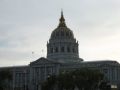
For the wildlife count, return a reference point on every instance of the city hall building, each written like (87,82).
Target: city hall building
(62,55)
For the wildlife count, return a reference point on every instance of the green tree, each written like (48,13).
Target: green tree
(87,79)
(5,78)
(50,83)
(65,81)
(83,79)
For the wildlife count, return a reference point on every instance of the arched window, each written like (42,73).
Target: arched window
(56,49)
(73,49)
(62,49)
(51,50)
(68,49)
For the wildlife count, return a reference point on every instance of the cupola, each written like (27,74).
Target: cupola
(62,46)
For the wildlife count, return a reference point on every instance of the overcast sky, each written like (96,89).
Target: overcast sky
(26,25)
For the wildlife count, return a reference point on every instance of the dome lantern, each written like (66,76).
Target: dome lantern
(62,21)
(62,31)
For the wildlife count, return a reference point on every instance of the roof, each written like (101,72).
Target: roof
(7,67)
(101,61)
(43,60)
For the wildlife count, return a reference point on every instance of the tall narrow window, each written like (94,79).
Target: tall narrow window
(73,50)
(62,49)
(68,49)
(51,50)
(56,49)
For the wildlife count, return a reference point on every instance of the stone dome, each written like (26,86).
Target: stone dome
(62,45)
(62,32)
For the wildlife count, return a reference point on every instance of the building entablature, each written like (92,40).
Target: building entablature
(43,61)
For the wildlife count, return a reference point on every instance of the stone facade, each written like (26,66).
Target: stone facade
(62,54)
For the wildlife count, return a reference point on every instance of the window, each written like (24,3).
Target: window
(56,49)
(73,49)
(51,50)
(62,49)
(68,49)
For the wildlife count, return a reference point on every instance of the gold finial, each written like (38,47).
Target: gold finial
(62,20)
(62,16)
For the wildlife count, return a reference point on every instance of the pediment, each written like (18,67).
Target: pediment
(43,61)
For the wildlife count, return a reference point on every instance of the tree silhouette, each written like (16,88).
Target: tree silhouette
(83,79)
(5,78)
